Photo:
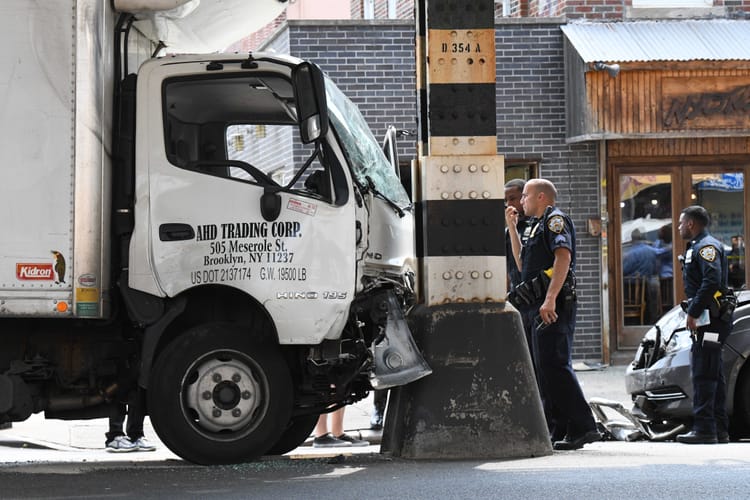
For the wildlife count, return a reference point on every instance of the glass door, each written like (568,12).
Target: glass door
(644,266)
(645,275)
(723,195)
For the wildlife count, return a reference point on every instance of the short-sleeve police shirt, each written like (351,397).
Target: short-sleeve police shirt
(704,272)
(554,230)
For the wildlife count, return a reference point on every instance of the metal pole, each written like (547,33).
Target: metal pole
(481,400)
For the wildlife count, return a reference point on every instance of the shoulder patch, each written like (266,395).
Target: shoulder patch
(708,253)
(556,224)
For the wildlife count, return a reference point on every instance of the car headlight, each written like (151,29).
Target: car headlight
(679,341)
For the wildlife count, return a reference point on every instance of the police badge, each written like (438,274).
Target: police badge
(556,224)
(708,253)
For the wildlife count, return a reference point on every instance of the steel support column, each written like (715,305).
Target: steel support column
(482,399)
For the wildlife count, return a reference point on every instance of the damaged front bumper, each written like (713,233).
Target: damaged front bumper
(634,425)
(663,390)
(396,358)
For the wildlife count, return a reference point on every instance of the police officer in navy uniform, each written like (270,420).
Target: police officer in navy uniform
(704,273)
(513,192)
(551,248)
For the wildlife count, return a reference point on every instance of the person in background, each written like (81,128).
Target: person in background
(117,441)
(379,400)
(664,270)
(737,262)
(640,262)
(663,246)
(513,192)
(640,259)
(336,437)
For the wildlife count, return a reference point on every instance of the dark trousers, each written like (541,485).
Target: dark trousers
(379,400)
(565,406)
(709,386)
(135,411)
(527,318)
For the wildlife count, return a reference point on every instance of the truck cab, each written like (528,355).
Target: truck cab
(267,213)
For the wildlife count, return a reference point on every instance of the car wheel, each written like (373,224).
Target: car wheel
(295,434)
(216,396)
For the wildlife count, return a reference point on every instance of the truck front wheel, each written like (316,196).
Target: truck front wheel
(297,431)
(217,396)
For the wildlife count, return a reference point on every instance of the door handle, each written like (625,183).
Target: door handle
(176,232)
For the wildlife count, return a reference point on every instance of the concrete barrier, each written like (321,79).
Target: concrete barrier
(481,400)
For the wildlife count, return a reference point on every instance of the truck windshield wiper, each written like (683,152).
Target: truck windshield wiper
(371,186)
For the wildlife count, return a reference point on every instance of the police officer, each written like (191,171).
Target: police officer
(513,192)
(704,273)
(551,248)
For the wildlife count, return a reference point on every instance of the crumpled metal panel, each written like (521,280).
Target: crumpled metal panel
(692,40)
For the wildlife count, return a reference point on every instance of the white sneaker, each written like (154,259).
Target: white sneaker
(142,444)
(121,444)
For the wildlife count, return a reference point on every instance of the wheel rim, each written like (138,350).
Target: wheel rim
(224,395)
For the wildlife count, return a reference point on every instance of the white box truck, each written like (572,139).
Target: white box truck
(221,230)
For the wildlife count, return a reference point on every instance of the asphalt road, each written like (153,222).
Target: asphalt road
(601,471)
(60,460)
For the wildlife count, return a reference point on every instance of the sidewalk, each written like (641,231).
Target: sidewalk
(87,436)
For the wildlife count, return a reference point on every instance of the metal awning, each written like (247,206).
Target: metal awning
(644,41)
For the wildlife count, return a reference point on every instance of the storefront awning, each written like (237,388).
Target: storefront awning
(663,79)
(644,41)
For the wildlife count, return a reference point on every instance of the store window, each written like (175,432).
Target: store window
(646,274)
(722,194)
(646,239)
(520,169)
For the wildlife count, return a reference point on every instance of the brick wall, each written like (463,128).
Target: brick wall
(531,125)
(373,63)
(603,10)
(607,10)
(735,8)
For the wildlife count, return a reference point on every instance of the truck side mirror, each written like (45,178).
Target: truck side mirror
(270,204)
(310,96)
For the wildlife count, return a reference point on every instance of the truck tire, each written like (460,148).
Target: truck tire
(217,396)
(295,434)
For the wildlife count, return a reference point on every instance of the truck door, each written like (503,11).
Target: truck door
(220,144)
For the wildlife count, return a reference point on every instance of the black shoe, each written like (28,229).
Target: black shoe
(328,441)
(577,443)
(693,437)
(352,440)
(722,437)
(554,438)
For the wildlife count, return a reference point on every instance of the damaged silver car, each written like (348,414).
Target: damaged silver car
(659,380)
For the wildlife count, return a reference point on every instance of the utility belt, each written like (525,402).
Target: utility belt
(532,292)
(722,305)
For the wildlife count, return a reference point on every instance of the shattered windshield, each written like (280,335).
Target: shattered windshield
(362,150)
